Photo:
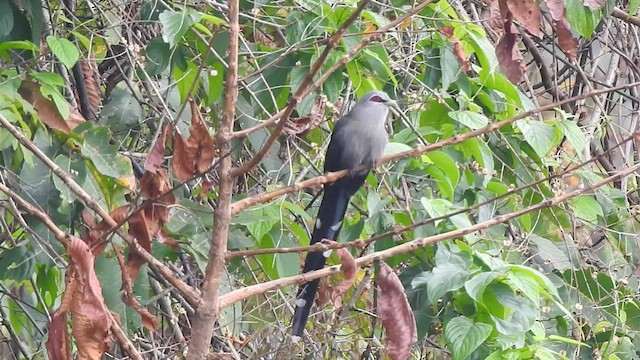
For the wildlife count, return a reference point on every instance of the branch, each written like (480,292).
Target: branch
(360,243)
(258,289)
(302,91)
(204,319)
(333,176)
(623,15)
(183,288)
(124,341)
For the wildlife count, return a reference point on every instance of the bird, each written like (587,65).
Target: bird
(358,138)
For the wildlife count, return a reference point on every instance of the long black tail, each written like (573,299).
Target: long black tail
(328,224)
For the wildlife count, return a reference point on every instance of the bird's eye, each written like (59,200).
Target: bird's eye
(377,99)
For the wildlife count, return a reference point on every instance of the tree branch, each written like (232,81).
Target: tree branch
(204,319)
(183,288)
(258,289)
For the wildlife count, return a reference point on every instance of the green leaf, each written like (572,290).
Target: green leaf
(633,7)
(122,112)
(573,133)
(587,208)
(216,81)
(463,336)
(581,18)
(476,285)
(395,148)
(6,19)
(64,50)
(470,119)
(48,78)
(550,252)
(441,280)
(16,264)
(108,162)
(175,24)
(157,56)
(450,67)
(185,80)
(445,171)
(52,93)
(539,135)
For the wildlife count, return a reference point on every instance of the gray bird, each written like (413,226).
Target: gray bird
(358,138)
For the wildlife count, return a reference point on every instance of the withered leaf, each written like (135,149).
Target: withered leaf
(395,314)
(47,110)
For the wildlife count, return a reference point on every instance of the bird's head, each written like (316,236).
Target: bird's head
(373,107)
(378,99)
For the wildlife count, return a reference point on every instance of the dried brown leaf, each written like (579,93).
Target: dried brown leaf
(47,110)
(143,229)
(91,322)
(194,155)
(395,314)
(156,154)
(95,237)
(593,4)
(508,54)
(206,150)
(556,9)
(305,123)
(59,345)
(89,69)
(527,13)
(568,43)
(149,321)
(163,238)
(182,161)
(458,51)
(491,16)
(348,268)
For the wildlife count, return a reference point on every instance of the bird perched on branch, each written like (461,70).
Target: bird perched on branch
(359,138)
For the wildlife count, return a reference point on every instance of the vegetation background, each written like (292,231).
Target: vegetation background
(161,163)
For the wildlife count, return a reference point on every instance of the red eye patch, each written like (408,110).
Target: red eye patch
(377,99)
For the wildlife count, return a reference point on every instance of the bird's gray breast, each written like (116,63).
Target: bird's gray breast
(363,143)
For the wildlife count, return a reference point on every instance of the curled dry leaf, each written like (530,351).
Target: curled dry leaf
(593,4)
(95,238)
(155,158)
(91,321)
(313,119)
(508,54)
(492,16)
(149,321)
(556,9)
(348,268)
(568,43)
(146,224)
(458,51)
(526,12)
(194,155)
(59,345)
(89,72)
(395,314)
(47,110)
